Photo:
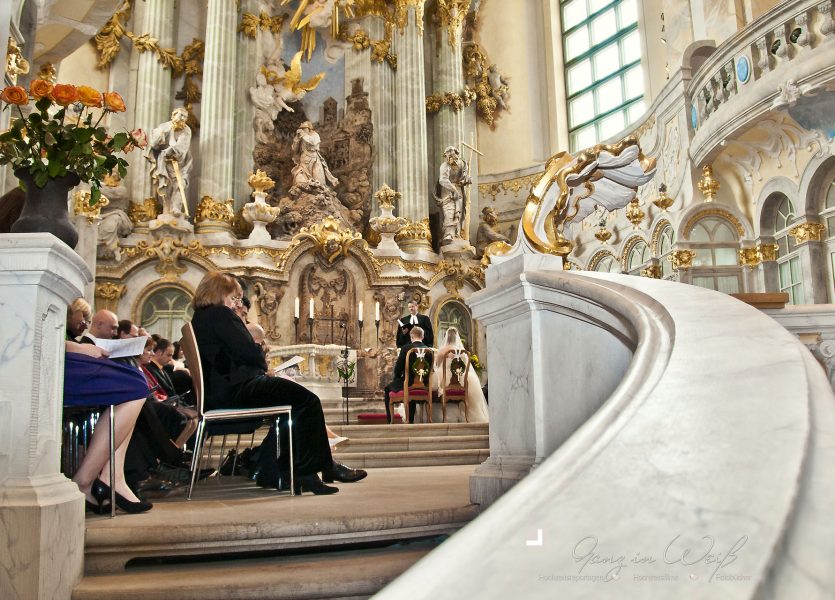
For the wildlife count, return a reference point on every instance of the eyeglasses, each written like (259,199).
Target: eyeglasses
(237,299)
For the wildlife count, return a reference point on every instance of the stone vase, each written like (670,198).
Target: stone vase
(45,209)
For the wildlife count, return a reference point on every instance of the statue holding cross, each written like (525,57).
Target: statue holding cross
(454,199)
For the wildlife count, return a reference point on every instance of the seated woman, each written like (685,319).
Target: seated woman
(90,379)
(182,433)
(476,404)
(234,375)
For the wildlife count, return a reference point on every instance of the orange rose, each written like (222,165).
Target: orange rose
(113,102)
(89,96)
(64,94)
(14,94)
(40,88)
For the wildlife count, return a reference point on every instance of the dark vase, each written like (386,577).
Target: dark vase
(45,209)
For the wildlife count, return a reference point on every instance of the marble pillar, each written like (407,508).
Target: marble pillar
(383,116)
(153,86)
(217,128)
(410,99)
(248,60)
(41,511)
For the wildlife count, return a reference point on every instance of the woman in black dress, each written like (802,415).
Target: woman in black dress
(234,376)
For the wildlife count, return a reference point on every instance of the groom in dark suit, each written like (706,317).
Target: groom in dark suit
(400,371)
(405,324)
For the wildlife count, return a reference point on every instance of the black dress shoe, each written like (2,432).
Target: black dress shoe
(342,474)
(312,483)
(280,482)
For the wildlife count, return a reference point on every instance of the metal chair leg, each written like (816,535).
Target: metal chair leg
(292,465)
(112,461)
(195,459)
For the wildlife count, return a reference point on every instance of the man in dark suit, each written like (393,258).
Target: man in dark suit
(413,319)
(416,335)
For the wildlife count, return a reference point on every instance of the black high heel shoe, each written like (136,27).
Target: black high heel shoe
(101,492)
(97,507)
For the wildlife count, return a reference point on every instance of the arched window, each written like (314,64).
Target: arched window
(788,258)
(165,312)
(455,314)
(607,264)
(637,257)
(828,217)
(715,242)
(666,241)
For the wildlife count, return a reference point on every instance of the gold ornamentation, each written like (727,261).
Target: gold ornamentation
(260,182)
(656,236)
(807,232)
(240,226)
(627,249)
(387,197)
(168,251)
(603,235)
(15,63)
(360,39)
(712,212)
(663,201)
(634,213)
(107,42)
(301,22)
(48,72)
(414,231)
(645,126)
(455,274)
(652,271)
(597,257)
(497,248)
(331,240)
(451,14)
(682,259)
(250,23)
(768,252)
(82,207)
(749,257)
(210,209)
(381,49)
(456,101)
(193,68)
(514,185)
(401,13)
(143,212)
(108,294)
(707,185)
(488,84)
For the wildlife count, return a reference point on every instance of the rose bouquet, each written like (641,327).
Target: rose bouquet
(50,143)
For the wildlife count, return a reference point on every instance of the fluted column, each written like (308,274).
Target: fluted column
(248,60)
(153,85)
(217,126)
(410,99)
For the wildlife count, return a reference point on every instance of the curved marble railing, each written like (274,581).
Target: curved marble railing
(708,472)
(787,52)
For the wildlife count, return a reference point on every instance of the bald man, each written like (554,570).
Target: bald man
(105,325)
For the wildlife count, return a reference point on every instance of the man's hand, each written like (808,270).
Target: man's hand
(87,350)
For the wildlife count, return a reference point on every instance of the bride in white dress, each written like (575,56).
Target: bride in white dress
(476,404)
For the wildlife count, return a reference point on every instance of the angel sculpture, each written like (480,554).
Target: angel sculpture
(266,108)
(572,187)
(287,82)
(498,85)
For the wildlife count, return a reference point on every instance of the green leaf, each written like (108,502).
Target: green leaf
(95,194)
(43,104)
(41,177)
(54,168)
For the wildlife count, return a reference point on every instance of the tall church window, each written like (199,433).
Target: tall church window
(715,265)
(828,218)
(165,312)
(603,75)
(607,263)
(637,257)
(788,257)
(666,240)
(455,314)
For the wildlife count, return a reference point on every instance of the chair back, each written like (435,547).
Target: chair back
(455,371)
(419,367)
(192,356)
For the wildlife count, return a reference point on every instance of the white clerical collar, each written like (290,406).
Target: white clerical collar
(413,320)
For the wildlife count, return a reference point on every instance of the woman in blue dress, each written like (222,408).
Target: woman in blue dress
(91,379)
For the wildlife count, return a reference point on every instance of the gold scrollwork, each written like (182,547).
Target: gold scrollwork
(807,232)
(168,251)
(401,13)
(210,209)
(331,240)
(260,182)
(508,185)
(768,252)
(749,257)
(707,185)
(414,231)
(81,205)
(634,213)
(712,212)
(652,271)
(456,101)
(107,42)
(142,212)
(682,259)
(250,23)
(497,248)
(451,14)
(108,293)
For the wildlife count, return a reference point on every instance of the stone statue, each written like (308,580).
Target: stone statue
(170,154)
(268,300)
(266,109)
(488,231)
(498,86)
(311,171)
(452,181)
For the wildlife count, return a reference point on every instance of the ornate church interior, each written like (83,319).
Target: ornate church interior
(613,220)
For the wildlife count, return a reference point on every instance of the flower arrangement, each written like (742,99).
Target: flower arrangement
(475,363)
(50,143)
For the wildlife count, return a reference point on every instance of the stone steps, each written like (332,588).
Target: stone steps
(425,458)
(354,573)
(413,443)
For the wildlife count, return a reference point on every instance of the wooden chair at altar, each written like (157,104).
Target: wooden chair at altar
(419,379)
(453,384)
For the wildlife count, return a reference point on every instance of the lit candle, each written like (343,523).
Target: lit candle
(311,308)
(377,311)
(296,312)
(360,313)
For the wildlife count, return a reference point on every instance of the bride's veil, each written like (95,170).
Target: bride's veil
(452,338)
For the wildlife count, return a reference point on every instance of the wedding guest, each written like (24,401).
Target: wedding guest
(235,377)
(78,318)
(91,379)
(414,319)
(400,370)
(127,329)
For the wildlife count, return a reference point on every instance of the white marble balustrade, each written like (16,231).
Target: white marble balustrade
(708,471)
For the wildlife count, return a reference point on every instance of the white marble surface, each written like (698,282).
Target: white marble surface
(41,512)
(708,473)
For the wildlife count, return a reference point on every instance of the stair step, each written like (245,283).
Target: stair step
(418,443)
(419,458)
(340,574)
(416,430)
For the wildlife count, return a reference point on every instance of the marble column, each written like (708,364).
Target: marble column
(217,128)
(410,100)
(247,62)
(153,85)
(41,511)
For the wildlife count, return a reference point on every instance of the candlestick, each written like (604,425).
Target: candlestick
(296,326)
(296,310)
(311,308)
(359,313)
(377,311)
(359,324)
(310,327)
(377,326)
